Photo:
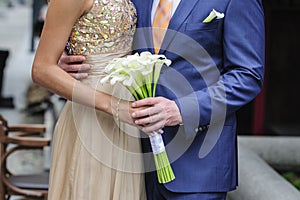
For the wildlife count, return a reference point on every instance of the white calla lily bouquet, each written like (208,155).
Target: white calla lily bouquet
(139,73)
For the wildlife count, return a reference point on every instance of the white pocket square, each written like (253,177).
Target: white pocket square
(213,14)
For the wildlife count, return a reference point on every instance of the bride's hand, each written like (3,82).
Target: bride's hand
(122,110)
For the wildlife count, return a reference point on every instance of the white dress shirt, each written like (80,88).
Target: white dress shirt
(155,4)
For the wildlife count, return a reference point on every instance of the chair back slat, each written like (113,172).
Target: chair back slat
(24,139)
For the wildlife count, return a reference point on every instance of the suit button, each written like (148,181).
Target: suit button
(199,129)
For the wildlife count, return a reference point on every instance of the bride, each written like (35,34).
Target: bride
(95,154)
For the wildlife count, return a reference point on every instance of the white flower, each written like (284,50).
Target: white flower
(126,68)
(140,73)
(213,14)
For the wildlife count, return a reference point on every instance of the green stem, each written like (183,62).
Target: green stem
(163,168)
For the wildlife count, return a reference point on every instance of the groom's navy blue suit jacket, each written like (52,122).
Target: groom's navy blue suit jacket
(217,67)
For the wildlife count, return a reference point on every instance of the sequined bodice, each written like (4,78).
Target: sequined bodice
(107,28)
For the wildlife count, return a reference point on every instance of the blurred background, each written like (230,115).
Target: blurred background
(20,100)
(273,113)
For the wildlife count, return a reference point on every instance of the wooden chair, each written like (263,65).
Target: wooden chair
(25,137)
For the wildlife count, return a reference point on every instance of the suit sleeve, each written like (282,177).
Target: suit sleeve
(241,74)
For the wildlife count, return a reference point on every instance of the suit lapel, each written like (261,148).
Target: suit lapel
(144,33)
(145,8)
(183,10)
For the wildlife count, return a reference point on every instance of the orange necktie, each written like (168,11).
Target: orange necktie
(160,22)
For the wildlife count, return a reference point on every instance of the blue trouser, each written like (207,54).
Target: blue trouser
(156,191)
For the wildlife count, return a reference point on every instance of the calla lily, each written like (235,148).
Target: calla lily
(213,14)
(139,73)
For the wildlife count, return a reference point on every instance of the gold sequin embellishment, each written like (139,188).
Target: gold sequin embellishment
(108,28)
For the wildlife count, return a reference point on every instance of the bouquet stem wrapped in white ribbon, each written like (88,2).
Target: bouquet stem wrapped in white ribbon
(139,73)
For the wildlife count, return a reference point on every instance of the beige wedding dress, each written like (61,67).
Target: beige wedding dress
(94,157)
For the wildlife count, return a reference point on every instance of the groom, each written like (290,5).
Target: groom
(217,67)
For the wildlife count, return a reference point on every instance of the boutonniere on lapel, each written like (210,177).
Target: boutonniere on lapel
(212,15)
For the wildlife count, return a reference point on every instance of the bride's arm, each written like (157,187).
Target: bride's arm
(61,16)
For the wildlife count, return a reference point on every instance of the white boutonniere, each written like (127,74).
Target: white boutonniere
(213,14)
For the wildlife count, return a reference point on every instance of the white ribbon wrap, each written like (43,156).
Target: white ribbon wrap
(157,143)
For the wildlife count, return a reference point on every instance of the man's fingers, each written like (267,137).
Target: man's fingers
(144,102)
(157,127)
(80,68)
(147,111)
(71,63)
(141,113)
(72,59)
(150,119)
(74,66)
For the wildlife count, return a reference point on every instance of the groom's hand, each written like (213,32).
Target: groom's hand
(73,65)
(162,112)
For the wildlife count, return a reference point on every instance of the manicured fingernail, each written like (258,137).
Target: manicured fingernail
(133,115)
(133,104)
